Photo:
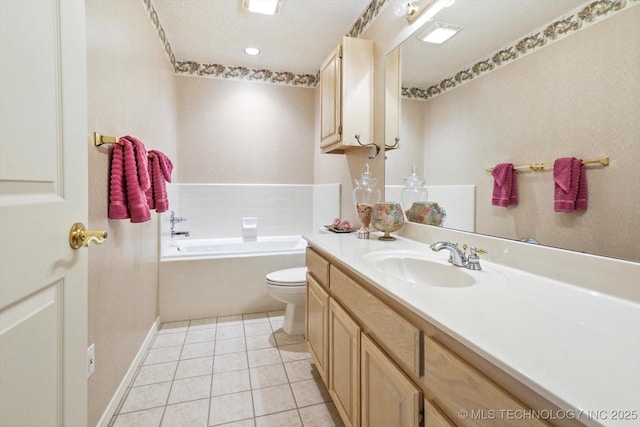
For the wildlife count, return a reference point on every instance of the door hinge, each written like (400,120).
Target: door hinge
(340,130)
(340,53)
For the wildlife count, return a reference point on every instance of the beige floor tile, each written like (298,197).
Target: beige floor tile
(276,313)
(194,367)
(146,397)
(255,317)
(230,362)
(249,422)
(258,328)
(157,373)
(163,355)
(310,392)
(148,418)
(274,399)
(188,389)
(224,321)
(323,415)
(301,370)
(269,375)
(193,351)
(228,332)
(230,382)
(187,414)
(233,345)
(276,323)
(230,407)
(263,356)
(209,323)
(283,338)
(293,352)
(261,341)
(173,327)
(281,419)
(200,335)
(168,340)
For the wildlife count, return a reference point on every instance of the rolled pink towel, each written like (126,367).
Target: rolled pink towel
(117,185)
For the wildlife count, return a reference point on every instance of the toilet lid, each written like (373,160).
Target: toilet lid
(288,277)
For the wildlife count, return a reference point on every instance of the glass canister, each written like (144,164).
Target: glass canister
(413,191)
(364,196)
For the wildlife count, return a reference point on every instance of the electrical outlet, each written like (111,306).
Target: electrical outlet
(91,359)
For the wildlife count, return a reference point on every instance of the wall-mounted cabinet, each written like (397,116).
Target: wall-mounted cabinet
(346,87)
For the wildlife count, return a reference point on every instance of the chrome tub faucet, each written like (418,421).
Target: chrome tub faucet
(173,220)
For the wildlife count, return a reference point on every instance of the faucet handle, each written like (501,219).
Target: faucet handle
(473,260)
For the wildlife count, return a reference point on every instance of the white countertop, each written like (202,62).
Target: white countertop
(578,348)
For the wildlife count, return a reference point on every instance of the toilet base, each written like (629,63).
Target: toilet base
(294,319)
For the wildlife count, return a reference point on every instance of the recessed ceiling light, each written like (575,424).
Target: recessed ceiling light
(253,51)
(439,33)
(266,7)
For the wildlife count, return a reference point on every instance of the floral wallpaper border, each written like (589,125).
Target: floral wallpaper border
(219,71)
(587,15)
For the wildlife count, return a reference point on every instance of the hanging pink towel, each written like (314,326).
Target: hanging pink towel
(505,186)
(570,185)
(117,188)
(137,178)
(161,168)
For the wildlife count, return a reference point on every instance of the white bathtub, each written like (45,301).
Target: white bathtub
(213,248)
(217,277)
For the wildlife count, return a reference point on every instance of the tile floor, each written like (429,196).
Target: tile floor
(227,371)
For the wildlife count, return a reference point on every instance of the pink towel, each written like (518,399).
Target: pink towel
(137,178)
(505,186)
(117,188)
(570,182)
(161,168)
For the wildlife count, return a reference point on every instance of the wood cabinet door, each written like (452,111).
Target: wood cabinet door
(389,398)
(317,325)
(330,99)
(344,364)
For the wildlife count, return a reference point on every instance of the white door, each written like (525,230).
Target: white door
(43,191)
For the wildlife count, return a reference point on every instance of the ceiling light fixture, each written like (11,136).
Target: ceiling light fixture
(253,51)
(413,10)
(266,7)
(439,33)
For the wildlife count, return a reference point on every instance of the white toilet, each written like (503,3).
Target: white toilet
(290,286)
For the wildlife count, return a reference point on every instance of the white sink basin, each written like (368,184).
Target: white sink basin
(418,268)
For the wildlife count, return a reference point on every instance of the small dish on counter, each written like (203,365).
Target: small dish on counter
(338,229)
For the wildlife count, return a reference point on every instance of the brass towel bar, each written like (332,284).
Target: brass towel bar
(604,161)
(99,139)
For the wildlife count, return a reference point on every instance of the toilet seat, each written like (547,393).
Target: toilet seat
(288,277)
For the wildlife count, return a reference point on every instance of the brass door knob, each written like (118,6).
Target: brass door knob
(79,236)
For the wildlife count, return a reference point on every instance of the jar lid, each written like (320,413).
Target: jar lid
(414,180)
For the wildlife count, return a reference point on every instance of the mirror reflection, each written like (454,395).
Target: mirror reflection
(528,83)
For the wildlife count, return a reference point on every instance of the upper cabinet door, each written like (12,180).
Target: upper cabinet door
(346,82)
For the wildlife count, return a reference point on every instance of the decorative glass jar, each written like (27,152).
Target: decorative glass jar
(413,191)
(364,196)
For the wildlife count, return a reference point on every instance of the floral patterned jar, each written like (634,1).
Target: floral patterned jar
(387,217)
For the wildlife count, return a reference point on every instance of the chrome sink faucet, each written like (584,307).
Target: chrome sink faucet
(173,220)
(458,256)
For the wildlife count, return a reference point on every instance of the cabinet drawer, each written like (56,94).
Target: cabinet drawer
(433,417)
(318,267)
(394,334)
(456,386)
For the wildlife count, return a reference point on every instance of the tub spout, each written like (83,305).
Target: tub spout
(180,233)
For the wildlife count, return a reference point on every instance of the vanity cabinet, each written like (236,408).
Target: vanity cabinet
(346,96)
(389,398)
(344,364)
(317,325)
(387,366)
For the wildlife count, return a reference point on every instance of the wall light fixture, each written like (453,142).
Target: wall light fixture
(414,9)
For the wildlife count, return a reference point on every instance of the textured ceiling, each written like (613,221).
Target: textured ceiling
(302,34)
(297,39)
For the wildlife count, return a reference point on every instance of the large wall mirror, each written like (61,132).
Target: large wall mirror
(527,82)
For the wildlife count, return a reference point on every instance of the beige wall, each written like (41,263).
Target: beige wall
(244,132)
(130,91)
(576,97)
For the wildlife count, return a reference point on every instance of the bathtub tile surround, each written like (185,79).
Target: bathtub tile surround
(226,382)
(197,288)
(216,210)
